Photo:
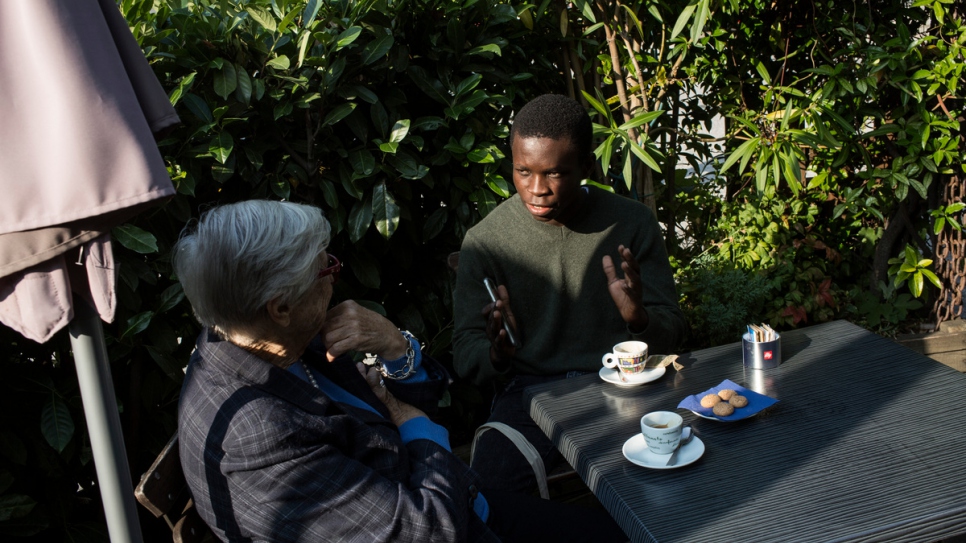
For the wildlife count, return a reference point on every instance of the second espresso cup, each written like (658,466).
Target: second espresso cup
(662,431)
(628,357)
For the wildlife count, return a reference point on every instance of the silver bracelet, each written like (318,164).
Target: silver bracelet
(403,372)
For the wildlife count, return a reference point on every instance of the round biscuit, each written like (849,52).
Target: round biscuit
(710,400)
(723,409)
(738,400)
(726,394)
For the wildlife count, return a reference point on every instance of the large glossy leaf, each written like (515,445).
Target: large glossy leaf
(135,239)
(359,219)
(338,113)
(399,131)
(310,12)
(243,90)
(56,424)
(197,106)
(225,80)
(137,324)
(221,146)
(385,211)
(432,87)
(262,17)
(378,47)
(347,36)
(171,297)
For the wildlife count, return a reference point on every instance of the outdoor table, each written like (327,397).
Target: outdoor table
(866,443)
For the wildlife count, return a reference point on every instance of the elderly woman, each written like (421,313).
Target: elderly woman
(282,436)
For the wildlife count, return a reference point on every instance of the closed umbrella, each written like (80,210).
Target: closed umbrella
(78,109)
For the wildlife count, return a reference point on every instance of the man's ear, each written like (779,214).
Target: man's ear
(281,314)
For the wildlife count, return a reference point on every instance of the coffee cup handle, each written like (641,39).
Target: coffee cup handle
(609,360)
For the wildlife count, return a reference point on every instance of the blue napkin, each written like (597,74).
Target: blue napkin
(756,402)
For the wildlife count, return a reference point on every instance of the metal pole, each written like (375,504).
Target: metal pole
(104,424)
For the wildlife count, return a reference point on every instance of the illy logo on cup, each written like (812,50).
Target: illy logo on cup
(767,355)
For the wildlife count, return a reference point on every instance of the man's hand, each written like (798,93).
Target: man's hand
(399,412)
(627,292)
(501,350)
(351,327)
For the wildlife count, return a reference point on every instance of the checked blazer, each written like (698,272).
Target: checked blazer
(270,458)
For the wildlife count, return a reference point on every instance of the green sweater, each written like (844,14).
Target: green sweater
(566,318)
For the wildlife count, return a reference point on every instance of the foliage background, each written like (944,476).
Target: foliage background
(843,126)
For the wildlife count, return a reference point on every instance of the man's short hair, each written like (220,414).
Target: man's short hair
(556,117)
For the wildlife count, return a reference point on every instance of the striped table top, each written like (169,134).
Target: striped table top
(867,443)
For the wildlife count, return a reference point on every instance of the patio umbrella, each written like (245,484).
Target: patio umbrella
(78,108)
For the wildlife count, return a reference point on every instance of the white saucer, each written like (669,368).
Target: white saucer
(635,450)
(610,375)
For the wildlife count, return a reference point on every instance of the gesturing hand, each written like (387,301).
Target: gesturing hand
(501,350)
(351,327)
(627,292)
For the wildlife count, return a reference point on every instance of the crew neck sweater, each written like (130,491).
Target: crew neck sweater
(566,318)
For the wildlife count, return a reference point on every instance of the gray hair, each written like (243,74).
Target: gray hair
(239,256)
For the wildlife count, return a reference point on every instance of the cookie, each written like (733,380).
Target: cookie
(723,409)
(738,400)
(726,394)
(710,400)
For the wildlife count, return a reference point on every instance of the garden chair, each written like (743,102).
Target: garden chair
(163,491)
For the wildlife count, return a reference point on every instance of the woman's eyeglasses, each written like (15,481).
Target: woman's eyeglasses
(333,268)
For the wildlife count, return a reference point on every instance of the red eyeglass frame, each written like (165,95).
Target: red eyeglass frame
(332,269)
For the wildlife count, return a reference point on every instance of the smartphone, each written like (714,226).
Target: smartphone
(491,289)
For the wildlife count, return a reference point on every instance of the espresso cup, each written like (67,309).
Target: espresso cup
(628,357)
(662,431)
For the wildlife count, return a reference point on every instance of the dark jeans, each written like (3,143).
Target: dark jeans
(500,465)
(526,518)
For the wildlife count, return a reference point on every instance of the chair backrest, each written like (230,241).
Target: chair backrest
(163,491)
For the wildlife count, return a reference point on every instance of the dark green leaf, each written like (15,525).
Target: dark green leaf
(347,36)
(170,297)
(198,107)
(137,324)
(14,506)
(56,425)
(378,47)
(338,113)
(434,224)
(365,268)
(243,91)
(221,146)
(433,88)
(310,11)
(359,219)
(225,80)
(385,211)
(135,239)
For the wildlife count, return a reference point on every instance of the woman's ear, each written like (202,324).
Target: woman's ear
(280,313)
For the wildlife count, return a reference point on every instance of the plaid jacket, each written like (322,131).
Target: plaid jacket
(270,458)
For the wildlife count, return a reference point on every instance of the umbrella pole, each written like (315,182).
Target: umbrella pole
(104,424)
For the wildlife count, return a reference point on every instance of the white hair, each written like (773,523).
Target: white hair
(239,256)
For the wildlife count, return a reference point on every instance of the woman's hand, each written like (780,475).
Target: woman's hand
(399,412)
(351,327)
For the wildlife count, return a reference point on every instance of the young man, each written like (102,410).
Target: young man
(552,249)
